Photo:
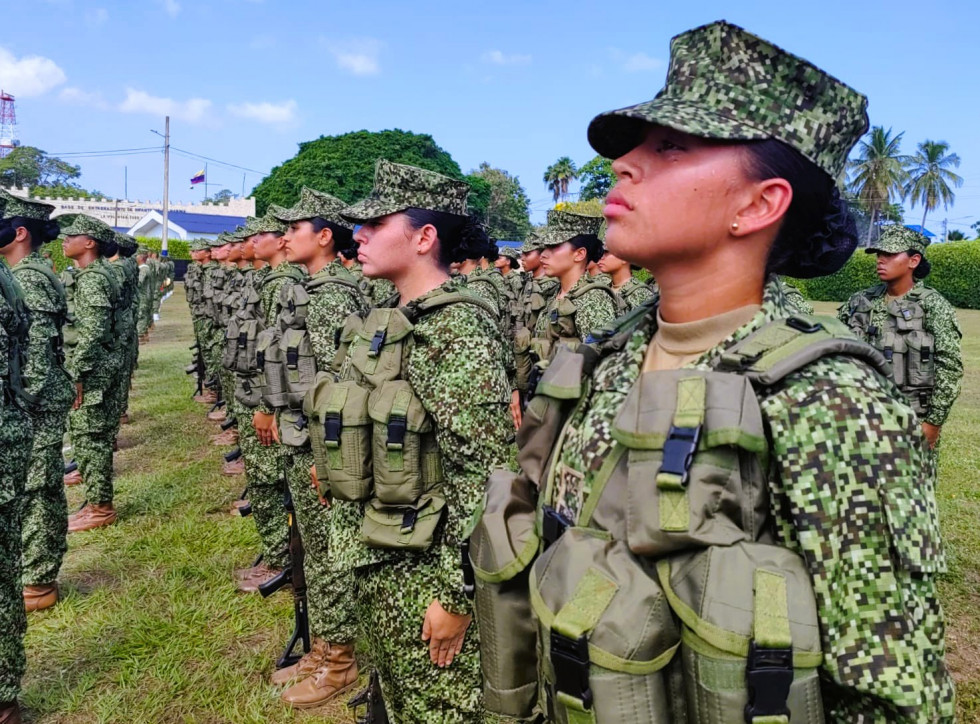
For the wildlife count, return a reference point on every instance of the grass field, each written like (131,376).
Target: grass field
(151,628)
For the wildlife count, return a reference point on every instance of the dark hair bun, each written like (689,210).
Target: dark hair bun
(592,245)
(7,232)
(921,271)
(472,241)
(50,231)
(824,251)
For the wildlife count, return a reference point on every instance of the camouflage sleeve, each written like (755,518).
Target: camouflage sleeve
(795,299)
(93,320)
(941,321)
(44,326)
(593,310)
(457,373)
(6,322)
(329,309)
(850,497)
(381,291)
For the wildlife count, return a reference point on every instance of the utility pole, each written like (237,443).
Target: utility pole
(166,187)
(945,231)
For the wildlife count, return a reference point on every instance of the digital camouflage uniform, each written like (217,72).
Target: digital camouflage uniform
(126,339)
(455,369)
(794,298)
(93,361)
(634,293)
(145,314)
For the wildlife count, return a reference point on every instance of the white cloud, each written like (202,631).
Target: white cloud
(271,113)
(77,96)
(171,7)
(359,56)
(96,17)
(31,75)
(500,58)
(193,110)
(635,62)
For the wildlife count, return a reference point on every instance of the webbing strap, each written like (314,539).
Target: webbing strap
(397,421)
(769,670)
(581,613)
(335,406)
(771,610)
(675,509)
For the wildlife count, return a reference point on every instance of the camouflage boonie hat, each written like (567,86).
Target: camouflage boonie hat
(723,82)
(11,205)
(125,241)
(268,223)
(511,252)
(398,187)
(896,238)
(220,240)
(316,203)
(532,243)
(92,227)
(564,225)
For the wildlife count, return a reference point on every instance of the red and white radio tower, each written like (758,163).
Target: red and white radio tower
(8,124)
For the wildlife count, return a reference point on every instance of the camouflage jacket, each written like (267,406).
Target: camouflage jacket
(847,493)
(634,293)
(44,296)
(270,287)
(377,291)
(794,298)
(941,322)
(15,425)
(192,282)
(546,288)
(329,307)
(594,309)
(129,295)
(454,367)
(91,360)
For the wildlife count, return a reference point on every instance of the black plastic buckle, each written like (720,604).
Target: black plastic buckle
(292,357)
(873,330)
(553,316)
(409,517)
(926,353)
(679,449)
(469,576)
(570,659)
(331,427)
(889,353)
(769,675)
(242,339)
(301,423)
(260,359)
(802,325)
(397,427)
(553,525)
(377,342)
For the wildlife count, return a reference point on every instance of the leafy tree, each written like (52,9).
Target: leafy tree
(29,166)
(559,175)
(878,172)
(65,191)
(500,201)
(597,178)
(344,165)
(930,177)
(976,228)
(955,235)
(221,197)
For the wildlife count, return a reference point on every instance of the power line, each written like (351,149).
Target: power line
(112,152)
(214,160)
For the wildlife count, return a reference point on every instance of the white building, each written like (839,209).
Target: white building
(184,225)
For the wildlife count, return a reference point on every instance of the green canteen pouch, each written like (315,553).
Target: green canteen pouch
(245,359)
(248,389)
(294,302)
(270,360)
(750,634)
(229,352)
(920,359)
(404,449)
(377,345)
(563,319)
(294,430)
(606,632)
(403,527)
(892,346)
(522,357)
(502,547)
(340,435)
(299,365)
(694,468)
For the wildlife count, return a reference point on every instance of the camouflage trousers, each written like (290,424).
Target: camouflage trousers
(91,428)
(144,316)
(265,476)
(391,600)
(329,594)
(214,343)
(45,508)
(118,391)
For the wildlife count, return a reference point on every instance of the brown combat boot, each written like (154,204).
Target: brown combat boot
(37,598)
(235,467)
(10,713)
(226,438)
(217,415)
(92,516)
(237,505)
(303,668)
(73,478)
(124,418)
(259,575)
(337,674)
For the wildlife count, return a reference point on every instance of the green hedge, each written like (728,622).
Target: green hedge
(176,249)
(955,274)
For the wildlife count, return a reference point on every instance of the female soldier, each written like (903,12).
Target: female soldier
(913,325)
(631,290)
(807,588)
(427,378)
(45,508)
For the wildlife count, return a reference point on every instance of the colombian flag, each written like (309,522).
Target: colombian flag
(198,178)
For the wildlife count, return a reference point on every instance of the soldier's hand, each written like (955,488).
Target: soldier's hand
(931,433)
(265,427)
(78,396)
(315,484)
(445,633)
(515,408)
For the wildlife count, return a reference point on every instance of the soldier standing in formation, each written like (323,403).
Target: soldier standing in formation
(631,290)
(45,507)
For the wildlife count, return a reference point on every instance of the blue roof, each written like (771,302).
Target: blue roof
(515,244)
(922,230)
(205,223)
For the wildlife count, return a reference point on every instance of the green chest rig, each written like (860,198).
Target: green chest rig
(59,305)
(903,339)
(665,599)
(373,440)
(13,390)
(113,340)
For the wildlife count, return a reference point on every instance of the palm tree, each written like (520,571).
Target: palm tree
(559,175)
(930,177)
(878,173)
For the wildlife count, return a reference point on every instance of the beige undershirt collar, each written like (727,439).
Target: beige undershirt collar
(675,345)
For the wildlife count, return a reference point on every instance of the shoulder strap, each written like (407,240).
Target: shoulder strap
(47,272)
(290,272)
(784,346)
(442,300)
(317,282)
(107,274)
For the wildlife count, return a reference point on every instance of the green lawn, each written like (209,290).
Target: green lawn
(151,628)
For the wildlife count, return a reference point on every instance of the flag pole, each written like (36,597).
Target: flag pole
(166,188)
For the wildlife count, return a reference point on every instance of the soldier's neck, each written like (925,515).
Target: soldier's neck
(900,287)
(15,252)
(621,276)
(83,260)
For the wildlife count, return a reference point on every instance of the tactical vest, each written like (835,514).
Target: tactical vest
(904,341)
(113,340)
(56,346)
(666,600)
(373,441)
(13,390)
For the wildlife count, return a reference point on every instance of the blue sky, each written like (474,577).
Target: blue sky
(511,83)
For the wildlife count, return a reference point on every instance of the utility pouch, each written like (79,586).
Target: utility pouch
(340,434)
(294,430)
(271,362)
(248,389)
(750,634)
(920,359)
(522,357)
(563,318)
(229,352)
(502,547)
(606,632)
(404,449)
(299,365)
(892,346)
(245,358)
(694,466)
(403,527)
